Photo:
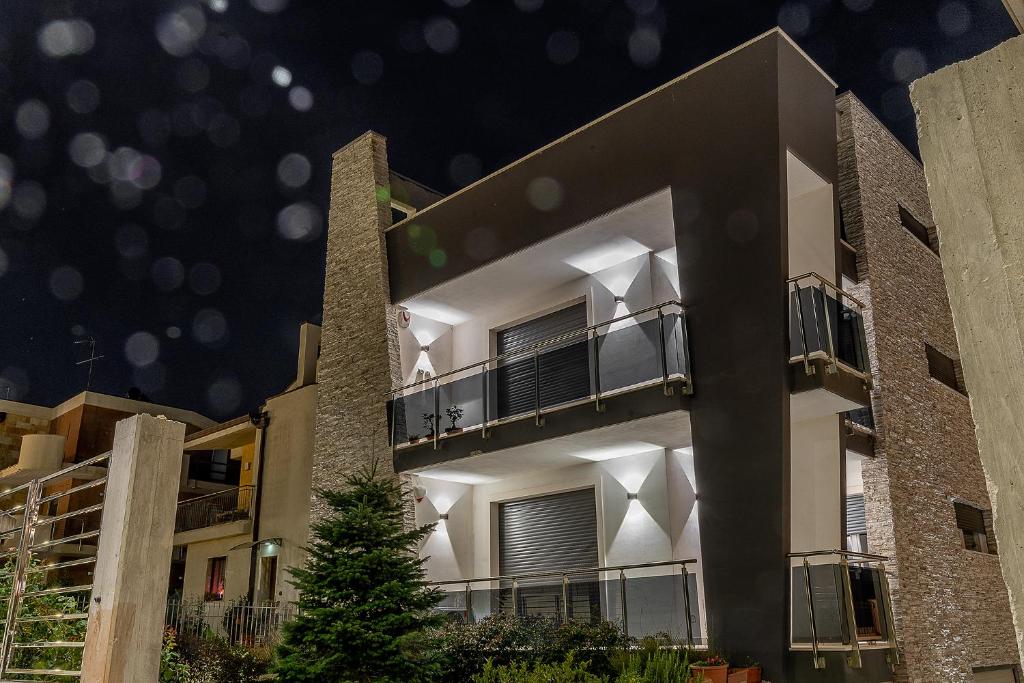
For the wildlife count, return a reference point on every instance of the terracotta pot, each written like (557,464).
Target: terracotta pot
(712,674)
(745,674)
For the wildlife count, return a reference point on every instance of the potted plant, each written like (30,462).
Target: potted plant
(750,672)
(428,424)
(454,414)
(710,669)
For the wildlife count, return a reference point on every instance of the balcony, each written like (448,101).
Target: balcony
(649,599)
(841,603)
(621,369)
(828,353)
(214,509)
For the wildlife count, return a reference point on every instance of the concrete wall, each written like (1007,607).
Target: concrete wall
(951,605)
(287,480)
(972,142)
(236,575)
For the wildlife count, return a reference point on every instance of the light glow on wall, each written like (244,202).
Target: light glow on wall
(617,451)
(437,311)
(605,255)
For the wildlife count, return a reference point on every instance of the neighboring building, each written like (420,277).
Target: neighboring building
(625,386)
(924,492)
(236,542)
(39,440)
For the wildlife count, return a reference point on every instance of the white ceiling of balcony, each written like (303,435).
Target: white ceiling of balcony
(668,430)
(645,225)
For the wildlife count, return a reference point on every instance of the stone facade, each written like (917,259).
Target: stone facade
(359,359)
(14,427)
(951,604)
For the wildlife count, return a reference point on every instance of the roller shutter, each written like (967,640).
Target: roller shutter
(563,368)
(856,521)
(549,533)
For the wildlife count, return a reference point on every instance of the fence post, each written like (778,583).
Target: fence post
(122,643)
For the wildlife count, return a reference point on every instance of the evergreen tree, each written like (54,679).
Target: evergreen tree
(364,603)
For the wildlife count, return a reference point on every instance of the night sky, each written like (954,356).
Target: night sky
(164,166)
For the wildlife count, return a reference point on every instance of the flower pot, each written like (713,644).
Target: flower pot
(711,674)
(453,430)
(414,439)
(745,674)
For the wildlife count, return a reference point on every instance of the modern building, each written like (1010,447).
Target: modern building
(36,441)
(620,376)
(236,542)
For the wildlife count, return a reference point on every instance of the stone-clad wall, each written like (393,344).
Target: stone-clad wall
(951,604)
(359,345)
(12,429)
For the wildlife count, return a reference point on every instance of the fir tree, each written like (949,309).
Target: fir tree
(364,604)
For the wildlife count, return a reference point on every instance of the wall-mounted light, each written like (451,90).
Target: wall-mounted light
(425,348)
(619,299)
(443,516)
(632,495)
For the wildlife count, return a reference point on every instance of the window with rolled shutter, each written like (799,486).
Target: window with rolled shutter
(563,368)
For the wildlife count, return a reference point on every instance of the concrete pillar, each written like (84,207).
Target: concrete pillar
(359,337)
(130,580)
(971,131)
(1016,10)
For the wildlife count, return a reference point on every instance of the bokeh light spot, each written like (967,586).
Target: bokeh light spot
(299,221)
(209,327)
(83,97)
(281,76)
(294,170)
(300,98)
(644,46)
(141,349)
(204,278)
(66,283)
(367,67)
(32,119)
(545,193)
(441,35)
(563,47)
(168,273)
(464,169)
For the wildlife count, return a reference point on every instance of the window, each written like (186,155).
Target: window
(215,568)
(972,524)
(918,229)
(945,369)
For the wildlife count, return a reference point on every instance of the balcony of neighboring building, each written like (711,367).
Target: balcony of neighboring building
(579,332)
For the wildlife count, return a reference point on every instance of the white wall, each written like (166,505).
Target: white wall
(815,461)
(811,217)
(236,575)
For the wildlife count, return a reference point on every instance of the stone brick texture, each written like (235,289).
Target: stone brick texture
(12,429)
(359,361)
(951,604)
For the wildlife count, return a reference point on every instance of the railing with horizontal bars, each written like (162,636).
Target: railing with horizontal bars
(220,507)
(842,606)
(659,597)
(47,604)
(827,322)
(644,347)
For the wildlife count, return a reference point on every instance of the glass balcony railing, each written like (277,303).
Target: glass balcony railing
(841,602)
(826,322)
(648,599)
(862,417)
(221,507)
(625,353)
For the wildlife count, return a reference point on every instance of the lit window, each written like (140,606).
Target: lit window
(215,567)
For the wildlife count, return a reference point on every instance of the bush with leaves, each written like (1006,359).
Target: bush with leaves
(215,660)
(32,631)
(363,598)
(463,650)
(566,671)
(658,666)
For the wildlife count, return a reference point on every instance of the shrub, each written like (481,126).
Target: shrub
(566,671)
(172,668)
(215,660)
(363,598)
(463,650)
(659,666)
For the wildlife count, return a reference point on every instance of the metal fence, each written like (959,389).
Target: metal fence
(238,623)
(48,545)
(214,508)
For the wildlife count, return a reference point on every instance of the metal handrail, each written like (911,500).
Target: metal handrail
(830,285)
(195,513)
(533,348)
(214,493)
(571,572)
(847,598)
(67,471)
(566,573)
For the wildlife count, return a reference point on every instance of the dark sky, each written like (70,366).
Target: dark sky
(164,166)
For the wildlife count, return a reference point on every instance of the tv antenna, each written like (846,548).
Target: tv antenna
(90,360)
